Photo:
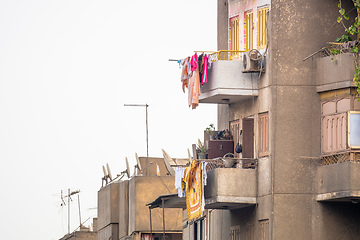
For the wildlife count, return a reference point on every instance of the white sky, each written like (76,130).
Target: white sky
(66,70)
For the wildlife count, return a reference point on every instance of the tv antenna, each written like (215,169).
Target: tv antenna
(68,198)
(147,132)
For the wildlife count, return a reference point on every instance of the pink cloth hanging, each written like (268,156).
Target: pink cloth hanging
(194,62)
(205,70)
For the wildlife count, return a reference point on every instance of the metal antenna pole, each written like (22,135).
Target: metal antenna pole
(69,199)
(68,210)
(147,132)
(79,209)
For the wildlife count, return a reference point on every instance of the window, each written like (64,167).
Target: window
(199,229)
(235,233)
(263,134)
(264,229)
(234,36)
(249,27)
(262,27)
(354,129)
(334,125)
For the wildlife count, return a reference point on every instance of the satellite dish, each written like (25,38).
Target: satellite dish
(167,164)
(105,177)
(127,167)
(138,162)
(104,171)
(168,157)
(189,155)
(109,172)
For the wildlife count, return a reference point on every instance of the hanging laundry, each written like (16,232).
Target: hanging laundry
(201,65)
(185,72)
(194,190)
(194,62)
(179,180)
(209,62)
(205,70)
(194,89)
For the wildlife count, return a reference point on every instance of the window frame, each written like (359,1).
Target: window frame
(263,142)
(262,27)
(349,129)
(249,30)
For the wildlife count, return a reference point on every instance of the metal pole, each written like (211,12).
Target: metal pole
(147,142)
(163,219)
(147,132)
(69,210)
(151,238)
(79,209)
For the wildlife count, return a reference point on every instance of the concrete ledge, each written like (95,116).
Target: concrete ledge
(338,181)
(342,196)
(226,81)
(247,200)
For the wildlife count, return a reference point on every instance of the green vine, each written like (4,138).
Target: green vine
(350,31)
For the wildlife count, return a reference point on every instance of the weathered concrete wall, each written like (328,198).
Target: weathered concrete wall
(111,231)
(123,208)
(336,220)
(297,30)
(143,190)
(108,205)
(222,24)
(220,222)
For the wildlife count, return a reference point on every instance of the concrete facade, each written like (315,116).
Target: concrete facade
(301,193)
(122,210)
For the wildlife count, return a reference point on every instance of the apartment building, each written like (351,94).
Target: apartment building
(294,109)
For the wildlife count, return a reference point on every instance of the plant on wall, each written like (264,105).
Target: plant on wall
(352,30)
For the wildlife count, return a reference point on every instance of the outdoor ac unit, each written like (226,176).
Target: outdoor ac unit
(253,61)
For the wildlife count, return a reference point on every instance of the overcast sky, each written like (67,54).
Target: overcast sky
(66,70)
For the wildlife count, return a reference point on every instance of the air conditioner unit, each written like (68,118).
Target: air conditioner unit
(253,61)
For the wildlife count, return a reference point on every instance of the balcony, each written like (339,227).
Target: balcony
(338,182)
(335,72)
(226,81)
(231,186)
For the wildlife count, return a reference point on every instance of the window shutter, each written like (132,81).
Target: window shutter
(248,138)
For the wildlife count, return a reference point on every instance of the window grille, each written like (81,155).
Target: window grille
(235,233)
(264,229)
(250,232)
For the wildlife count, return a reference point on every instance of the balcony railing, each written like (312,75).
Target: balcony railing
(229,55)
(335,68)
(231,183)
(244,163)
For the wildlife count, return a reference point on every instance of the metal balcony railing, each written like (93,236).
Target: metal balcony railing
(243,163)
(230,55)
